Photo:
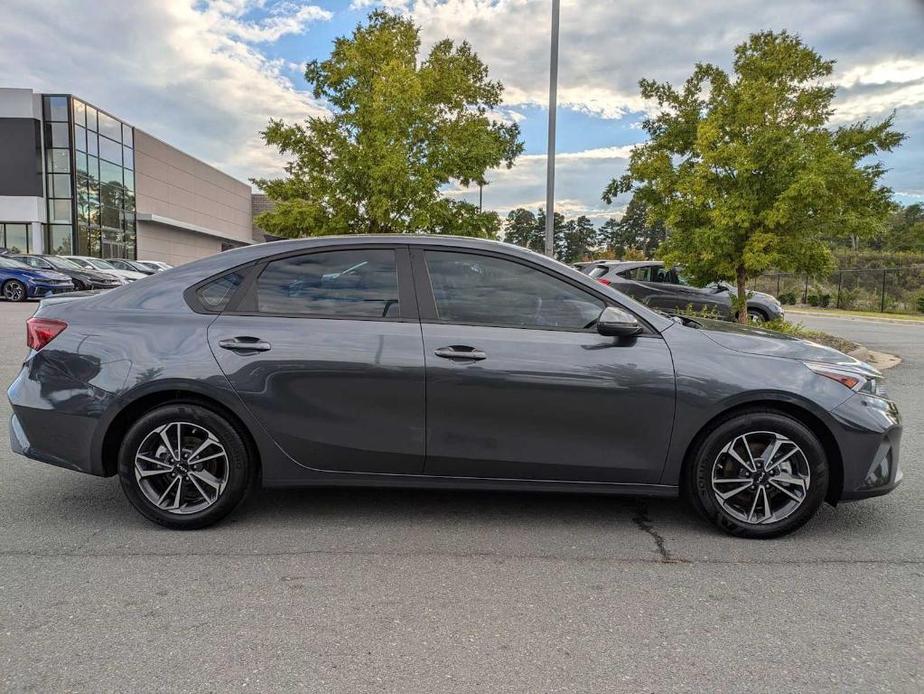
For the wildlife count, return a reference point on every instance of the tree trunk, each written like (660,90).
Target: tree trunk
(741,300)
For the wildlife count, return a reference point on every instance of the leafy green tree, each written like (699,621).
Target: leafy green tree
(579,240)
(522,229)
(744,172)
(400,128)
(559,230)
(633,231)
(905,230)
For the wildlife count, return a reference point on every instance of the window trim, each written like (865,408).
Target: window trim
(427,302)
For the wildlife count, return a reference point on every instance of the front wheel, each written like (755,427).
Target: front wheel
(14,290)
(184,466)
(760,474)
(756,316)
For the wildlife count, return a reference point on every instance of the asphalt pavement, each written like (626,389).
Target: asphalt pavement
(425,591)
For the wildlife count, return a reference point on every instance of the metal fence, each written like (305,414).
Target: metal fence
(888,290)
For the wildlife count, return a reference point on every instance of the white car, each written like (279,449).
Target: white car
(101,265)
(156,265)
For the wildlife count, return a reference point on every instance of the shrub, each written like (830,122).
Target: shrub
(920,303)
(789,298)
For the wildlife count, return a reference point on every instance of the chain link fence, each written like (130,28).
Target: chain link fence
(887,290)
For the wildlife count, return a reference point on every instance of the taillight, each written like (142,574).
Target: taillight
(604,281)
(41,331)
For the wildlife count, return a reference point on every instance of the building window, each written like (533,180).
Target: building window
(59,239)
(14,237)
(103,193)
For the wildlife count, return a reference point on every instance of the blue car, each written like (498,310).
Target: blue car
(19,282)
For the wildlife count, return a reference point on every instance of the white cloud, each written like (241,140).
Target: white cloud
(182,71)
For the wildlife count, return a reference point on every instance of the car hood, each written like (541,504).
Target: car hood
(44,275)
(753,340)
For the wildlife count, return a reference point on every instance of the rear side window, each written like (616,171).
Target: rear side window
(639,274)
(215,295)
(357,283)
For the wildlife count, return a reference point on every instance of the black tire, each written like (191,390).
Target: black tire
(14,290)
(237,463)
(755,315)
(698,478)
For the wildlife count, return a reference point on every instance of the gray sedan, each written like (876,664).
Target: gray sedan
(665,289)
(443,363)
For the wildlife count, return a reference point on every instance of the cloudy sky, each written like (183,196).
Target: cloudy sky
(206,75)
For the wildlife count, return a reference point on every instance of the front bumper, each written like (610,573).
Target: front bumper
(35,290)
(869,441)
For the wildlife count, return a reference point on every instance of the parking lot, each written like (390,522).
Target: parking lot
(424,591)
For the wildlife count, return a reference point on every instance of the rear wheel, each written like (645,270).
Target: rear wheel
(14,290)
(184,466)
(759,474)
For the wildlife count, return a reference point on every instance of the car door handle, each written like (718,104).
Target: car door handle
(460,353)
(245,344)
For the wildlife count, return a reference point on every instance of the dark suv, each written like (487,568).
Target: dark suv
(665,289)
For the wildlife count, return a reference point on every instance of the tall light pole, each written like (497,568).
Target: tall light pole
(550,162)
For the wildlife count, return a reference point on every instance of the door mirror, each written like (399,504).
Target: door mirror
(614,322)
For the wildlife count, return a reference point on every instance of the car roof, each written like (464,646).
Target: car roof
(630,264)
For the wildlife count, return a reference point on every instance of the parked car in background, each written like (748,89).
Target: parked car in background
(83,278)
(85,261)
(19,282)
(439,362)
(156,265)
(665,289)
(130,265)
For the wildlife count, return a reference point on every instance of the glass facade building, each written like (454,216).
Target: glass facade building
(90,186)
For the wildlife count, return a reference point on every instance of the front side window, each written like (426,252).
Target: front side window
(485,290)
(639,274)
(361,283)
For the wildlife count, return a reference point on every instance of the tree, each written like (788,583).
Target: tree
(633,231)
(522,229)
(559,229)
(399,129)
(579,240)
(744,172)
(905,230)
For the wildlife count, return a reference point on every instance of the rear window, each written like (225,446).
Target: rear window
(597,271)
(356,283)
(215,295)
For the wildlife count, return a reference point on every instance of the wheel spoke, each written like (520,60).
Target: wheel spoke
(160,501)
(207,477)
(747,447)
(196,461)
(153,461)
(732,480)
(787,492)
(782,460)
(205,444)
(767,512)
(741,461)
(151,473)
(199,488)
(725,496)
(753,507)
(786,478)
(179,494)
(167,444)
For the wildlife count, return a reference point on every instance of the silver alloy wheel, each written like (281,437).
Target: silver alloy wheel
(13,291)
(181,467)
(755,317)
(760,477)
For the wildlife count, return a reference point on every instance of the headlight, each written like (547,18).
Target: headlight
(858,381)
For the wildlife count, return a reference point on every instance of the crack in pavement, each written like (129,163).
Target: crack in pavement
(644,523)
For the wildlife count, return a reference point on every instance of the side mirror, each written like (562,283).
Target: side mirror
(614,322)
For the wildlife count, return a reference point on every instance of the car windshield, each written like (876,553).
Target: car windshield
(100,264)
(12,264)
(61,263)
